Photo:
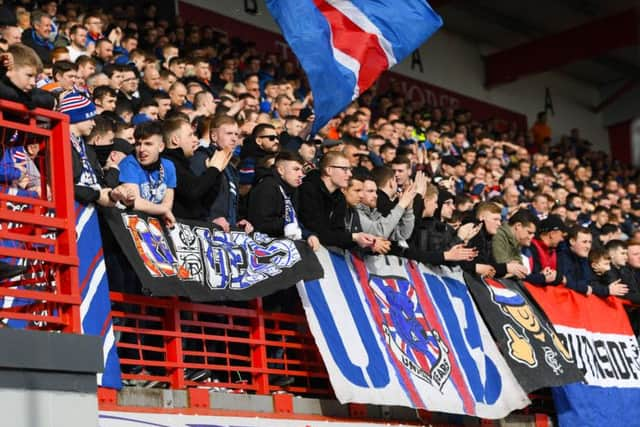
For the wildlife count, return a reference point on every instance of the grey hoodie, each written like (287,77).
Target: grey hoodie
(396,226)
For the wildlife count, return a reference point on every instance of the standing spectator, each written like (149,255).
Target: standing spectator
(12,34)
(103,53)
(105,98)
(263,141)
(194,194)
(323,206)
(273,201)
(544,248)
(18,84)
(489,215)
(150,178)
(398,224)
(224,210)
(91,185)
(541,131)
(511,244)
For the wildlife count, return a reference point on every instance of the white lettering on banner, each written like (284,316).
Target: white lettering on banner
(608,360)
(133,419)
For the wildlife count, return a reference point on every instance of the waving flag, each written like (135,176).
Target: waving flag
(344,45)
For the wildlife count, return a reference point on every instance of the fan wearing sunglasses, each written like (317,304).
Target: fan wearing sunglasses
(264,140)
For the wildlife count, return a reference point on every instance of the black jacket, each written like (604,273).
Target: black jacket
(266,203)
(194,194)
(434,235)
(323,212)
(35,98)
(42,47)
(108,178)
(483,243)
(576,269)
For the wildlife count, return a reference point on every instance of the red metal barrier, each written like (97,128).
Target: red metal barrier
(37,228)
(243,346)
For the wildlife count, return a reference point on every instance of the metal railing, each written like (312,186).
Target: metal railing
(37,223)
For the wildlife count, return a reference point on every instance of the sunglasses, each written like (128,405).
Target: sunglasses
(270,137)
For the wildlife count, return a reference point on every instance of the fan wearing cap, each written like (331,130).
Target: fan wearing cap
(544,247)
(91,185)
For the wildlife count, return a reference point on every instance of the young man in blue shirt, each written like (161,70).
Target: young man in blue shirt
(151,179)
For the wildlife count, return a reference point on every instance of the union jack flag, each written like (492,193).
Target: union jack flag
(404,320)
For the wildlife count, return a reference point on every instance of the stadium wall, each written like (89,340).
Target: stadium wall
(457,78)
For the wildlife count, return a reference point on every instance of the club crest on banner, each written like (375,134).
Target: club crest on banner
(514,305)
(407,332)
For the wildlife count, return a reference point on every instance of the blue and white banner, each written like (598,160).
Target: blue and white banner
(95,309)
(392,332)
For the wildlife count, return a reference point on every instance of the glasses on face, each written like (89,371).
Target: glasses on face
(343,168)
(270,137)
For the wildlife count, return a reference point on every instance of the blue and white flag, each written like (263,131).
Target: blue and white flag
(392,332)
(95,309)
(344,45)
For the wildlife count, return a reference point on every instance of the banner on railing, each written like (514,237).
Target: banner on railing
(392,332)
(95,309)
(198,261)
(527,340)
(597,333)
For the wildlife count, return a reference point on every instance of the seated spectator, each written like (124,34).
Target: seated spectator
(323,206)
(193,194)
(273,200)
(605,281)
(150,178)
(105,98)
(37,37)
(78,39)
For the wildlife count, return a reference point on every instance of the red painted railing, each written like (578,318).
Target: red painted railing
(38,231)
(242,346)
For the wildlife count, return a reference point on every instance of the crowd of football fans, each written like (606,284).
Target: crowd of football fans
(180,121)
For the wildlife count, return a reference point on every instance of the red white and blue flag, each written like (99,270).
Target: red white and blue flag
(392,332)
(344,45)
(597,333)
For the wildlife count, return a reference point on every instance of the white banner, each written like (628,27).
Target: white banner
(134,419)
(394,333)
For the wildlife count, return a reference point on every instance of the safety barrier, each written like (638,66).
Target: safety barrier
(37,226)
(244,347)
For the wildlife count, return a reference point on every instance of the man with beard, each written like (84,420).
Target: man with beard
(263,141)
